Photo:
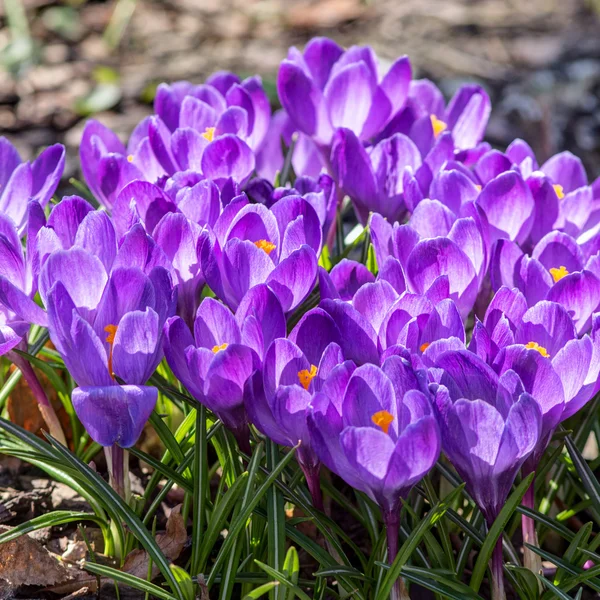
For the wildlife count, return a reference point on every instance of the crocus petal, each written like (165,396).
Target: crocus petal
(313,333)
(114,414)
(566,170)
(46,171)
(215,325)
(228,156)
(467,115)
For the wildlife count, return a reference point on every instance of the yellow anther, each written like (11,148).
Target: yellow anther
(558,274)
(209,134)
(305,376)
(265,245)
(424,346)
(438,125)
(217,348)
(111,330)
(383,419)
(478,187)
(130,158)
(559,191)
(536,346)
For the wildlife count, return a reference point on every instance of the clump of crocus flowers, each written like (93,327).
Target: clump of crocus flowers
(217,251)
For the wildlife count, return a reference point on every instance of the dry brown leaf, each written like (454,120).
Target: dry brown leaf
(171,542)
(25,561)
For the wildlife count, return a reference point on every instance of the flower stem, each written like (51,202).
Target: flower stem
(531,560)
(313,481)
(496,566)
(117,460)
(391,519)
(44,405)
(242,437)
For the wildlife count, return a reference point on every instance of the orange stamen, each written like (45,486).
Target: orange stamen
(536,346)
(110,338)
(438,125)
(265,245)
(383,419)
(558,274)
(424,346)
(217,348)
(559,191)
(209,134)
(305,376)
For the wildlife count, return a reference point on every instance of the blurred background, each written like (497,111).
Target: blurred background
(64,60)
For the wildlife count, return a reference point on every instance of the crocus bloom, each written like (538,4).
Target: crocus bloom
(439,254)
(21,182)
(224,104)
(320,193)
(374,178)
(425,118)
(294,370)
(107,326)
(253,244)
(541,345)
(215,363)
(557,270)
(377,432)
(489,428)
(326,87)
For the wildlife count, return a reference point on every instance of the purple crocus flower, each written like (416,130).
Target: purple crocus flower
(374,178)
(440,254)
(253,244)
(320,193)
(559,369)
(224,104)
(557,270)
(21,182)
(378,433)
(215,363)
(489,427)
(107,325)
(294,370)
(325,88)
(426,118)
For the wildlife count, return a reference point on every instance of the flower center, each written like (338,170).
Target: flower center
(558,274)
(305,376)
(383,419)
(209,134)
(478,187)
(265,245)
(130,158)
(438,125)
(424,346)
(559,191)
(217,348)
(111,330)
(536,346)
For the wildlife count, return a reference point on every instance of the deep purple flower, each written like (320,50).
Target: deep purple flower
(374,427)
(224,104)
(325,88)
(541,345)
(294,370)
(374,178)
(21,182)
(320,193)
(107,325)
(253,244)
(489,425)
(18,280)
(215,363)
(426,118)
(557,270)
(440,254)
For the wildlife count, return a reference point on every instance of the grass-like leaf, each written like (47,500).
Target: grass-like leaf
(496,531)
